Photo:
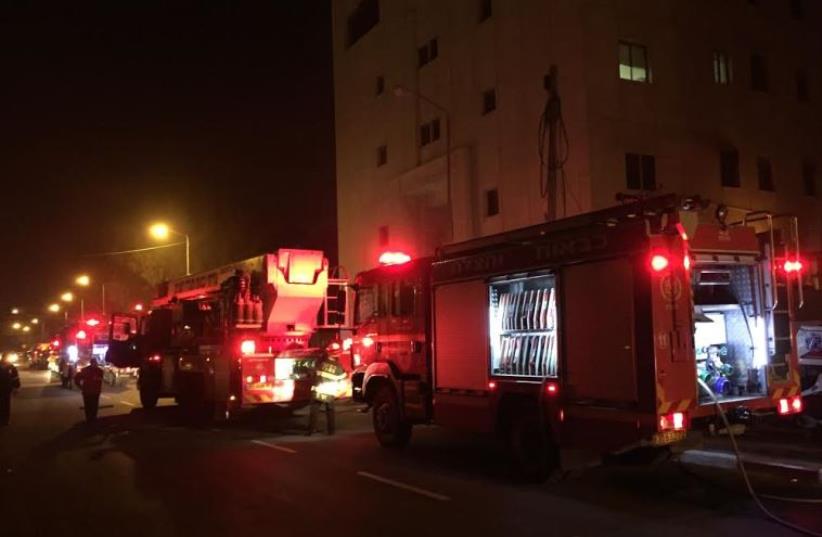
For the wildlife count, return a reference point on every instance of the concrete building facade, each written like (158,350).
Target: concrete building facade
(721,98)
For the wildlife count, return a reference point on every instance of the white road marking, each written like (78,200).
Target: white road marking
(274,446)
(403,486)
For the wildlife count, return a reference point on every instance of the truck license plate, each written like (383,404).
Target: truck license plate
(668,437)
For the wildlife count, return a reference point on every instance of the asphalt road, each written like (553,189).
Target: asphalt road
(147,474)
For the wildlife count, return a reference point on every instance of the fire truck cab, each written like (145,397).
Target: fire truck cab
(577,333)
(216,340)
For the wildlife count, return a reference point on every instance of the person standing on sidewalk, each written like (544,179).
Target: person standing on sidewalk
(90,381)
(9,381)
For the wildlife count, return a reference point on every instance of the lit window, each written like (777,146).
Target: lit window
(809,179)
(729,167)
(489,101)
(763,166)
(759,73)
(491,202)
(633,62)
(382,155)
(722,68)
(640,171)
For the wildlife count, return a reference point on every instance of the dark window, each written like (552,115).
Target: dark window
(428,52)
(759,73)
(364,17)
(382,155)
(640,171)
(435,130)
(383,236)
(802,87)
(425,134)
(492,202)
(403,299)
(722,68)
(485,10)
(763,166)
(489,101)
(380,86)
(809,178)
(729,167)
(633,62)
(796,9)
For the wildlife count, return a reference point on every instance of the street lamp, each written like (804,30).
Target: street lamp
(16,326)
(35,321)
(68,296)
(402,91)
(15,311)
(54,308)
(161,231)
(26,328)
(84,280)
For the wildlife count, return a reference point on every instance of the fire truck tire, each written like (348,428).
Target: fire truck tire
(389,427)
(533,453)
(148,398)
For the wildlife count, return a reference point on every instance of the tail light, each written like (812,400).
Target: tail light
(492,385)
(674,421)
(659,262)
(552,388)
(790,405)
(792,265)
(155,358)
(248,346)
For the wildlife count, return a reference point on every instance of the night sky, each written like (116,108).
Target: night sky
(215,116)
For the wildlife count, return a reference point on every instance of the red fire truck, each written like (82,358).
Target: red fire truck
(586,332)
(215,340)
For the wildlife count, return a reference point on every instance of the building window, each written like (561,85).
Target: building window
(759,73)
(489,101)
(428,52)
(491,202)
(763,166)
(633,62)
(364,17)
(729,167)
(640,171)
(485,10)
(797,9)
(382,235)
(802,93)
(430,132)
(382,155)
(722,68)
(809,178)
(380,86)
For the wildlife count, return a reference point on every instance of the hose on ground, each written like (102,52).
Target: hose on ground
(744,472)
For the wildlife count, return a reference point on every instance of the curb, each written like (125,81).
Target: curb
(728,461)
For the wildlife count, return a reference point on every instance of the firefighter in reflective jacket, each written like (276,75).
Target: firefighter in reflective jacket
(90,381)
(329,383)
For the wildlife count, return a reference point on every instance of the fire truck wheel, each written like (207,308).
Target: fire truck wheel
(533,453)
(390,429)
(148,398)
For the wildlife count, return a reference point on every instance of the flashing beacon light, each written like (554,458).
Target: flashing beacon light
(92,322)
(394,258)
(659,262)
(81,334)
(138,307)
(248,346)
(792,265)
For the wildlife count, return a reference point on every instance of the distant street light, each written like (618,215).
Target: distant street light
(161,231)
(15,311)
(84,280)
(54,308)
(26,328)
(402,91)
(35,321)
(16,326)
(68,296)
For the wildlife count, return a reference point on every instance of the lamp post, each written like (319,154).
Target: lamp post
(84,280)
(161,231)
(402,91)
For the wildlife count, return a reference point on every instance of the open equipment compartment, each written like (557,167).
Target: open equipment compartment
(731,336)
(522,322)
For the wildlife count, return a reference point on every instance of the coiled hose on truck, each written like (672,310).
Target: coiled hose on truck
(746,478)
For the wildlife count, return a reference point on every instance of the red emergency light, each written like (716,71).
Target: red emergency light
(394,258)
(248,346)
(138,307)
(659,262)
(367,341)
(55,343)
(794,265)
(92,322)
(675,421)
(81,334)
(790,405)
(552,388)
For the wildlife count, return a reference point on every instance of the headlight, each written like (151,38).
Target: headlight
(12,357)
